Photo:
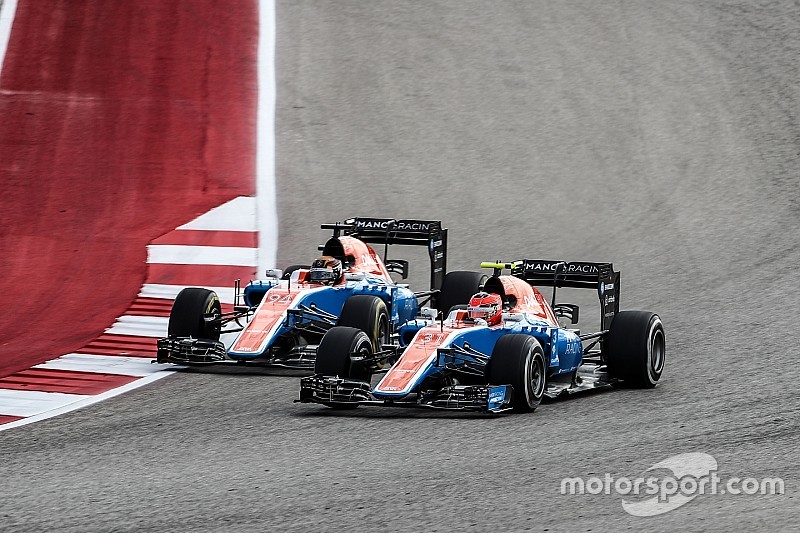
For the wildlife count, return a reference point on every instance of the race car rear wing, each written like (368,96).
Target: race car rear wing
(579,275)
(388,231)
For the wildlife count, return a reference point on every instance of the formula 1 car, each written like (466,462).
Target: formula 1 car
(467,362)
(285,315)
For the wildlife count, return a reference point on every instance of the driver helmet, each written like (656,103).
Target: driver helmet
(326,270)
(486,306)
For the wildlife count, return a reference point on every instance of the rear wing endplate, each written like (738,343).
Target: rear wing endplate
(578,275)
(409,232)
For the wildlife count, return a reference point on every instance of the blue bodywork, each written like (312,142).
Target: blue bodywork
(562,347)
(400,301)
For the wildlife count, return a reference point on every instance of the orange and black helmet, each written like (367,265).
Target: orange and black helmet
(326,270)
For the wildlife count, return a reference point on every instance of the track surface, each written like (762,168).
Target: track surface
(660,135)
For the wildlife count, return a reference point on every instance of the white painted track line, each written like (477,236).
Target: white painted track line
(69,402)
(267,211)
(31,402)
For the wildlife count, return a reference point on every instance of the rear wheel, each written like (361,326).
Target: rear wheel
(458,287)
(518,360)
(634,349)
(195,313)
(344,352)
(370,315)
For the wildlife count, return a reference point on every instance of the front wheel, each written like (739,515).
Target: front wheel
(344,352)
(370,315)
(518,360)
(634,349)
(195,313)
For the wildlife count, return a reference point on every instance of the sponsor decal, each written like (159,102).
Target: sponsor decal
(570,268)
(398,225)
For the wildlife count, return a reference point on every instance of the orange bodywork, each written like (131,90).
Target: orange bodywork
(272,307)
(414,358)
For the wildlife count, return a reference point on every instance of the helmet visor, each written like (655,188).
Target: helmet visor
(482,311)
(322,274)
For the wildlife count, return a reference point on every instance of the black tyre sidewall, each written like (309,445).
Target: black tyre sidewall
(369,314)
(635,348)
(334,353)
(187,317)
(512,362)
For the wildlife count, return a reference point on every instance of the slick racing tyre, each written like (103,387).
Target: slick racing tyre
(343,352)
(369,314)
(458,287)
(634,348)
(195,313)
(518,360)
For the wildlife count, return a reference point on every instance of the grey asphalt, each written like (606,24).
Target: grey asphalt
(662,136)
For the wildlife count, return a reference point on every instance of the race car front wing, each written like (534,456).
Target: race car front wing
(183,350)
(335,391)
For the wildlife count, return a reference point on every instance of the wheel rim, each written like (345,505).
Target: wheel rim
(536,378)
(657,348)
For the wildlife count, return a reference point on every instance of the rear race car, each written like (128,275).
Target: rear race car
(467,363)
(280,320)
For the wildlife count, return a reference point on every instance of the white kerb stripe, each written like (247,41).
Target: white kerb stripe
(105,364)
(140,326)
(237,215)
(174,254)
(169,292)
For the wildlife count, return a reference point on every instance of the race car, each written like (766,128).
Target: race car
(505,350)
(285,315)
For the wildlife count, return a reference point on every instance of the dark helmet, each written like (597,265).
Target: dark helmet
(486,306)
(326,270)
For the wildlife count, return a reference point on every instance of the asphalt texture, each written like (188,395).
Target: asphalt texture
(662,136)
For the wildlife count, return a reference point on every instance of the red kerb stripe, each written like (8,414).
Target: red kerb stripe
(48,380)
(124,345)
(199,275)
(244,239)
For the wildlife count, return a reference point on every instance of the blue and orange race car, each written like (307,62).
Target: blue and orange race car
(285,315)
(504,350)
